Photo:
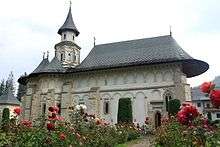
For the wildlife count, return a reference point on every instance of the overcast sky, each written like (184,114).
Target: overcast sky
(29,27)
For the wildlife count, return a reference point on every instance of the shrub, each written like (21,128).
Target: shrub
(5,118)
(173,106)
(125,111)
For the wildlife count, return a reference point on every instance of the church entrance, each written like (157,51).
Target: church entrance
(125,110)
(157,119)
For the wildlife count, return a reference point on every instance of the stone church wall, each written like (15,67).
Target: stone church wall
(146,86)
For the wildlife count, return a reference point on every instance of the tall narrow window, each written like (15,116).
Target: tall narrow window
(64,36)
(43,109)
(168,97)
(106,107)
(73,37)
(61,57)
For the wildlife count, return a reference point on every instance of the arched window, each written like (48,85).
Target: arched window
(73,37)
(64,36)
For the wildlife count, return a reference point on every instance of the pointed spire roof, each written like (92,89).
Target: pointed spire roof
(8,99)
(41,66)
(54,66)
(69,24)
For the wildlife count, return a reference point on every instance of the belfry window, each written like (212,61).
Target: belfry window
(61,56)
(64,36)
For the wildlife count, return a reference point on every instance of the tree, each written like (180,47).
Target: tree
(2,87)
(21,89)
(9,85)
(5,118)
(174,106)
(125,110)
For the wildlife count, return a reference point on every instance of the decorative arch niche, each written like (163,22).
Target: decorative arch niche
(167,96)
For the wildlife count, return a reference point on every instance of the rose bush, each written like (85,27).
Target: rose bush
(189,128)
(214,95)
(83,130)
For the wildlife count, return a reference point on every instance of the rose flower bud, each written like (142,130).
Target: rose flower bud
(206,87)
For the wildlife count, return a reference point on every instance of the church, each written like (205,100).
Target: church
(148,71)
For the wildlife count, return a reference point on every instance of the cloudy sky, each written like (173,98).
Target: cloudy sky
(29,27)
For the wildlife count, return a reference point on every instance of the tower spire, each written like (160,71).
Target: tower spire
(69,24)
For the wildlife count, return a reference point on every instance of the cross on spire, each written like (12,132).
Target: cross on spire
(70,3)
(170,30)
(94,39)
(47,54)
(43,55)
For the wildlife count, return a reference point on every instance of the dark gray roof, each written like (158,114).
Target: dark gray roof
(54,66)
(8,99)
(163,49)
(68,24)
(41,66)
(197,95)
(157,50)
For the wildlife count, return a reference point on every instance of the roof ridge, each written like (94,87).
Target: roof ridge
(133,40)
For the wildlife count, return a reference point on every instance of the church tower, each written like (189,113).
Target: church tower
(67,51)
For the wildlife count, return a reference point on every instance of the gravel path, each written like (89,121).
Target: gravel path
(142,143)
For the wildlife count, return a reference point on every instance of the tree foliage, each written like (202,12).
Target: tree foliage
(2,87)
(125,110)
(8,85)
(21,90)
(173,106)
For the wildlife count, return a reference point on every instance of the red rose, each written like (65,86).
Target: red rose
(50,126)
(56,109)
(206,87)
(187,114)
(62,136)
(17,110)
(26,123)
(51,109)
(215,98)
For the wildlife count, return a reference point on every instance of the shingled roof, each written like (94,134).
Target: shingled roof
(41,66)
(147,51)
(68,24)
(54,66)
(163,49)
(8,99)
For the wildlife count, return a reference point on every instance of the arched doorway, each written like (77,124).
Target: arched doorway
(157,119)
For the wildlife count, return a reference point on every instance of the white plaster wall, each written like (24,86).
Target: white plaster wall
(141,84)
(69,36)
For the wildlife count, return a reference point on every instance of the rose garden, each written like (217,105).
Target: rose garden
(184,126)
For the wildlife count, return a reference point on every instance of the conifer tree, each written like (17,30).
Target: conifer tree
(2,87)
(9,85)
